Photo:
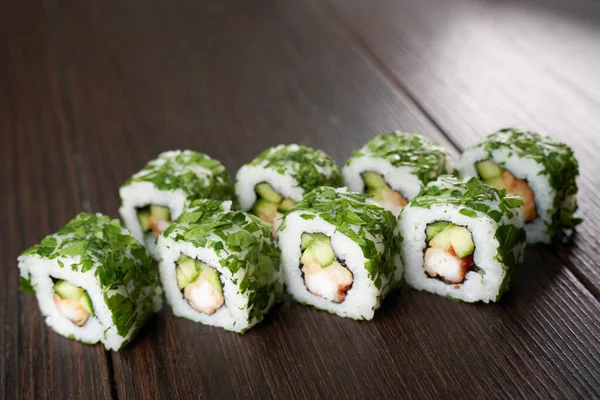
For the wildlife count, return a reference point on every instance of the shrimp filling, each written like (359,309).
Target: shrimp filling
(72,302)
(493,175)
(382,193)
(270,205)
(449,255)
(154,219)
(323,274)
(200,284)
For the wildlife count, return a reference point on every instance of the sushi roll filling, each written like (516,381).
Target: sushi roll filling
(493,175)
(270,205)
(382,193)
(324,275)
(449,252)
(154,218)
(200,285)
(72,302)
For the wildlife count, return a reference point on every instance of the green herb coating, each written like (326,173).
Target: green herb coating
(311,168)
(118,261)
(471,195)
(559,165)
(243,244)
(427,158)
(197,174)
(510,253)
(362,221)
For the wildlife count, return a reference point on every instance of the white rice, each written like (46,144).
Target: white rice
(477,286)
(361,300)
(521,168)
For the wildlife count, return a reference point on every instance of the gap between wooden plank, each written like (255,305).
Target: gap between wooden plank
(379,64)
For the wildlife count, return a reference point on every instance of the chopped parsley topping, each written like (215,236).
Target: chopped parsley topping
(310,168)
(197,174)
(472,196)
(427,158)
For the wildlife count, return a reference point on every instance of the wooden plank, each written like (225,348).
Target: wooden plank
(230,79)
(477,66)
(39,194)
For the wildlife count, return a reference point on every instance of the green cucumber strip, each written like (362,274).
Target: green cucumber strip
(266,192)
(186,273)
(160,213)
(264,208)
(374,180)
(66,290)
(286,205)
(488,169)
(143,216)
(435,228)
(86,303)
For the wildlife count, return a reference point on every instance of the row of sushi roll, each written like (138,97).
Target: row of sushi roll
(226,254)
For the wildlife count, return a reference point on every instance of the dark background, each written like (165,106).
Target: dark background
(91,90)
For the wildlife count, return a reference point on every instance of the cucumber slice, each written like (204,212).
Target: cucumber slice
(310,238)
(462,241)
(144,219)
(374,180)
(264,209)
(306,240)
(160,213)
(488,169)
(210,274)
(434,228)
(286,205)
(186,273)
(66,290)
(308,256)
(497,182)
(442,239)
(318,252)
(182,259)
(324,253)
(86,303)
(265,191)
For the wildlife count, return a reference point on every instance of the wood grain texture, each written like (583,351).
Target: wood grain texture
(39,195)
(230,78)
(477,66)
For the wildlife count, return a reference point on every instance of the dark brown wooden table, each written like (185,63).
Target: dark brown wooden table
(91,90)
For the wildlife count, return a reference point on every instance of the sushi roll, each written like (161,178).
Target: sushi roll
(394,167)
(462,239)
(93,280)
(219,267)
(275,181)
(542,171)
(340,252)
(156,195)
